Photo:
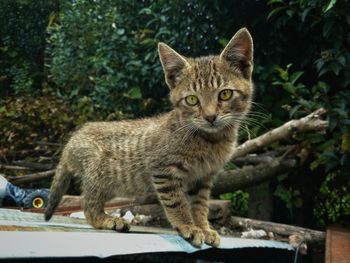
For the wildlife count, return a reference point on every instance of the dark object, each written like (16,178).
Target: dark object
(26,198)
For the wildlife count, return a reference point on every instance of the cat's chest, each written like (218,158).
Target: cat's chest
(209,158)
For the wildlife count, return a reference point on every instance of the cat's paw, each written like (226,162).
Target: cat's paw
(117,224)
(192,234)
(211,237)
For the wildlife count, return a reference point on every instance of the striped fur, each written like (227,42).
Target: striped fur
(172,157)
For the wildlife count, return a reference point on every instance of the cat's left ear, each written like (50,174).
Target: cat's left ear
(173,64)
(239,53)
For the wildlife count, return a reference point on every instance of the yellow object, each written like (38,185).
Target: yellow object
(38,202)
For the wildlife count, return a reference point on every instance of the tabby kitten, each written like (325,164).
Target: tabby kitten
(172,157)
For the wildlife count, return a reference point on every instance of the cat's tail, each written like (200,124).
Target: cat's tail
(59,187)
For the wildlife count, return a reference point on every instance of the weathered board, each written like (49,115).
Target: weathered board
(337,245)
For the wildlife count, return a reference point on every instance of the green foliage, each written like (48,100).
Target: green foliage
(24,121)
(239,202)
(22,41)
(334,199)
(326,80)
(291,197)
(107,50)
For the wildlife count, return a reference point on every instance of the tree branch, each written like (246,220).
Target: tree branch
(265,157)
(34,166)
(231,180)
(313,237)
(29,178)
(311,122)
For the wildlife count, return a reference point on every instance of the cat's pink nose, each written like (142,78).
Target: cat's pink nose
(210,118)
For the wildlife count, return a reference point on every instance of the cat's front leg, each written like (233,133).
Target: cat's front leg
(177,208)
(199,197)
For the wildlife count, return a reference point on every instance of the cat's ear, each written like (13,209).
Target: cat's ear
(173,64)
(239,53)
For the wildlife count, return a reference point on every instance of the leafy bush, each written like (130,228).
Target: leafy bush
(239,202)
(107,50)
(325,73)
(22,42)
(25,121)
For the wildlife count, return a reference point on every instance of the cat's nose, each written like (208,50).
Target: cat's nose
(210,118)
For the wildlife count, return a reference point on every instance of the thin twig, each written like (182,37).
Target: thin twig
(13,167)
(30,178)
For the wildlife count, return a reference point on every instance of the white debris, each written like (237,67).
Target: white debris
(254,233)
(270,235)
(79,214)
(142,219)
(116,213)
(223,230)
(128,216)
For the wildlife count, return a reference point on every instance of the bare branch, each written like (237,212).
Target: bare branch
(313,237)
(34,166)
(311,122)
(265,157)
(13,167)
(228,181)
(29,178)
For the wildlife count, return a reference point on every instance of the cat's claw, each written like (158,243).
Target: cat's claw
(212,238)
(192,234)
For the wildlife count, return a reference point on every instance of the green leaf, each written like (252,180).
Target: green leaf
(345,144)
(295,76)
(298,202)
(330,5)
(305,13)
(146,11)
(275,1)
(230,166)
(223,42)
(275,11)
(293,111)
(134,93)
(120,31)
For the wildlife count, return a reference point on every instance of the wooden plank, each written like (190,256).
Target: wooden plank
(337,245)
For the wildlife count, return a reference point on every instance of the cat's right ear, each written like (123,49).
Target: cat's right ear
(173,64)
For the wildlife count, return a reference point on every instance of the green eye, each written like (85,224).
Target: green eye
(191,100)
(225,94)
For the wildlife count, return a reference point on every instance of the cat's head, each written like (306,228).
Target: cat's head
(211,93)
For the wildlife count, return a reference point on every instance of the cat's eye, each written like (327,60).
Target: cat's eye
(225,94)
(192,100)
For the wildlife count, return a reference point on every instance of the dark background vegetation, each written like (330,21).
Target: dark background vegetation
(63,63)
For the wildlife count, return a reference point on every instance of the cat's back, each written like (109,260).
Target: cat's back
(107,131)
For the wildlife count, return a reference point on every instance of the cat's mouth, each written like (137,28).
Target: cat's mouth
(212,127)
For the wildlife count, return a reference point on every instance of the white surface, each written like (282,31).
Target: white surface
(3,184)
(82,244)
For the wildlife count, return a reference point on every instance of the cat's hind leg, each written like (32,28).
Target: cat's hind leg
(97,217)
(95,194)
